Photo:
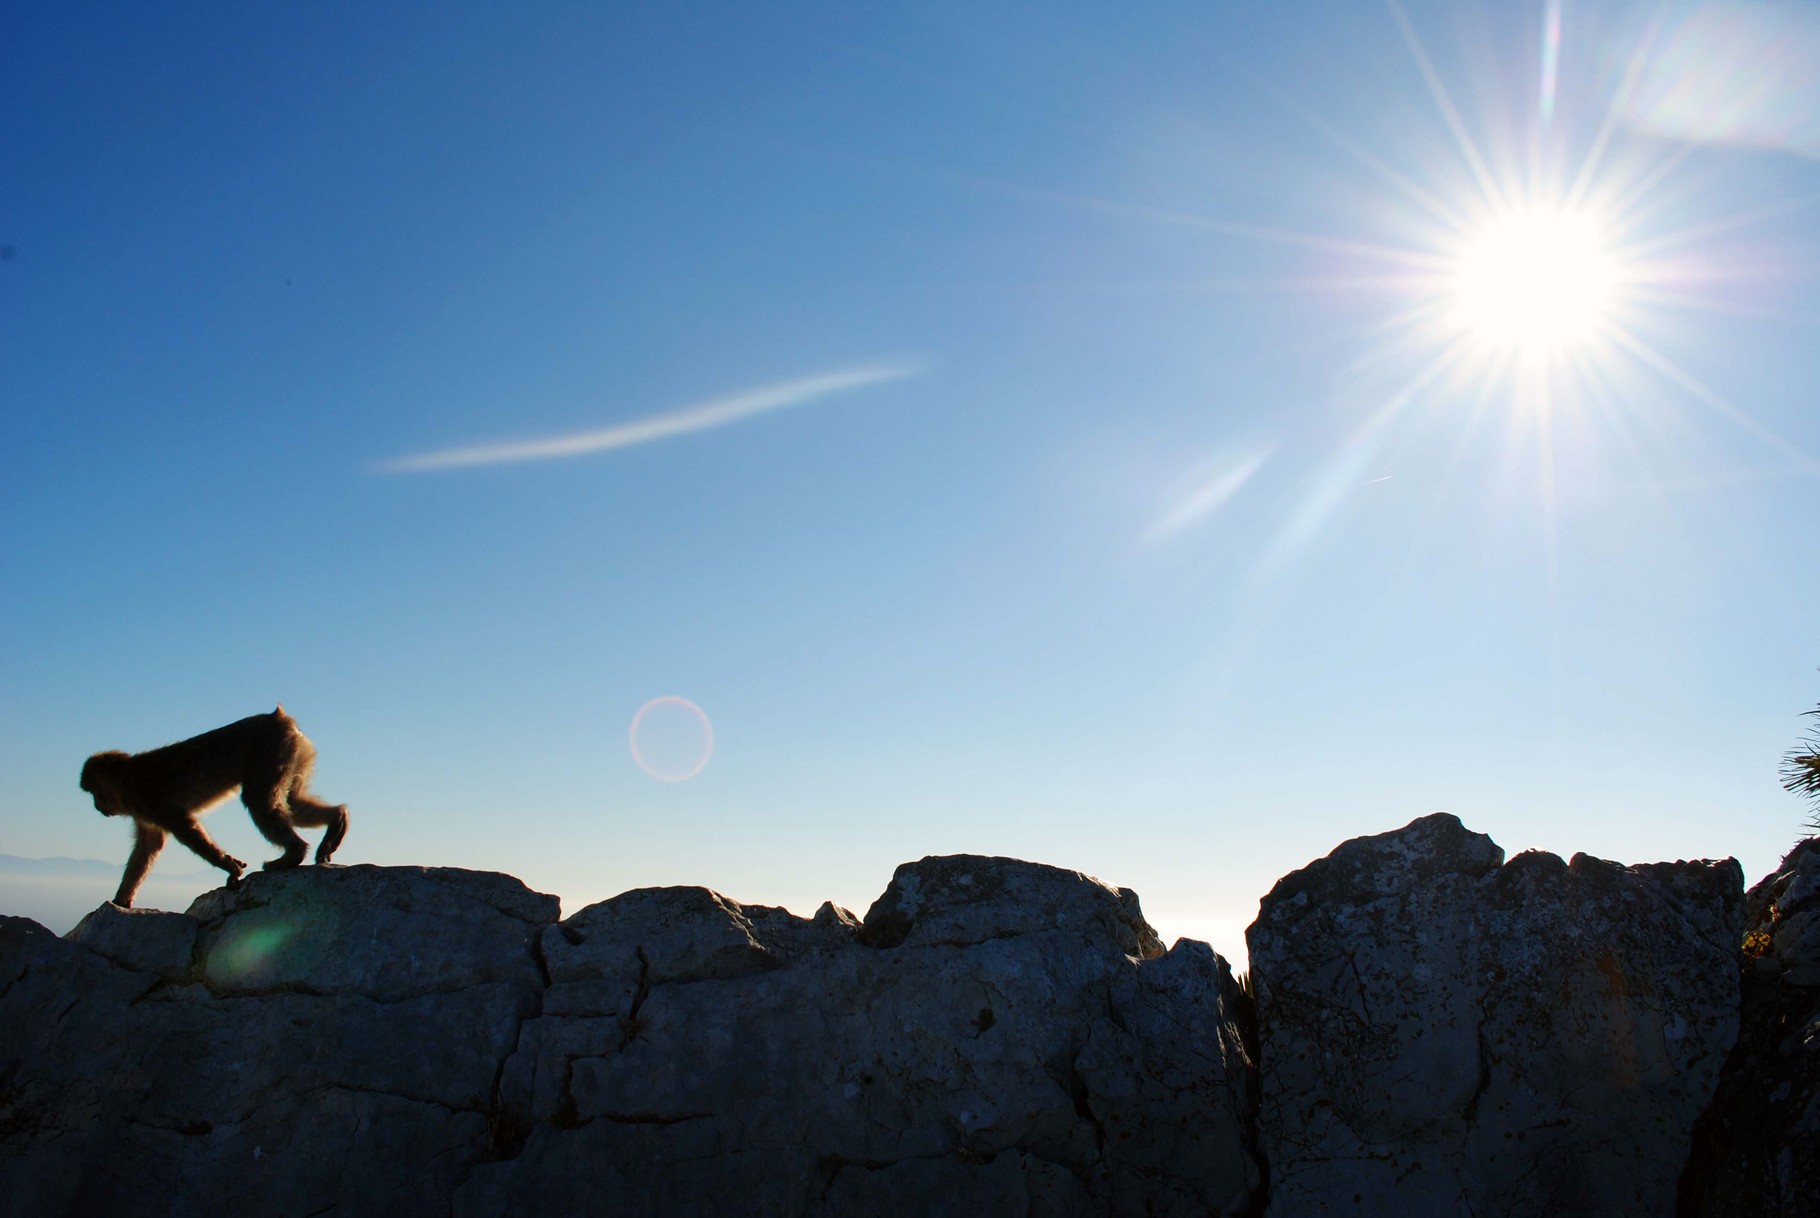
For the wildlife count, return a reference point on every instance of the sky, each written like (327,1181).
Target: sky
(757,446)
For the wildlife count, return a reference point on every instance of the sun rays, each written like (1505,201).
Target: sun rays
(1555,276)
(1526,294)
(1553,264)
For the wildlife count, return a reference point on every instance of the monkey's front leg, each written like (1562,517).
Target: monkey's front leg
(196,838)
(148,840)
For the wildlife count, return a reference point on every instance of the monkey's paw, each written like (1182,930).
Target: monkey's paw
(235,870)
(284,862)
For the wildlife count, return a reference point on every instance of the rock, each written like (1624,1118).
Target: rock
(1757,1149)
(965,899)
(70,1049)
(336,1040)
(427,1041)
(382,933)
(1445,1033)
(659,935)
(143,940)
(1012,1048)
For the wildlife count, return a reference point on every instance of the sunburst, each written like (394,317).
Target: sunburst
(1534,282)
(1530,286)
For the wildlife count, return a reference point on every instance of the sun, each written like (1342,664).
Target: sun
(1533,282)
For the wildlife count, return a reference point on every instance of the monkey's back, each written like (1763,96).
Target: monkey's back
(208,767)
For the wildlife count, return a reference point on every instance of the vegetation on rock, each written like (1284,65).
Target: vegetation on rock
(1801,769)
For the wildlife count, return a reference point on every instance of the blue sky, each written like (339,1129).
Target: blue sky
(1026,429)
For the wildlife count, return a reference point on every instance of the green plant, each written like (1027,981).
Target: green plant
(1801,770)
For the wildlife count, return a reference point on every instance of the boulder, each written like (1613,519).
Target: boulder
(965,899)
(1757,1150)
(142,940)
(333,1040)
(996,1037)
(1443,1032)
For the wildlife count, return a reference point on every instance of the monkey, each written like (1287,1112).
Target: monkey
(164,790)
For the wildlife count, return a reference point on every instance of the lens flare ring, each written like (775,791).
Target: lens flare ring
(707,747)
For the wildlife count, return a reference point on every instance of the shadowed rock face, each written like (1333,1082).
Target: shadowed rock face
(308,1037)
(996,1037)
(1446,1033)
(1443,1032)
(965,899)
(1013,1038)
(1757,1150)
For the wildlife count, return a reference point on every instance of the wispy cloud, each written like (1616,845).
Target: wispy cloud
(699,417)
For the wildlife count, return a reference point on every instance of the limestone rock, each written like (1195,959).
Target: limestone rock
(334,1041)
(1012,1049)
(1757,1150)
(965,899)
(369,1040)
(68,1053)
(379,932)
(1446,1033)
(143,940)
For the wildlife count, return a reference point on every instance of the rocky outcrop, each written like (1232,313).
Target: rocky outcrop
(995,1037)
(1436,1031)
(307,1039)
(1013,1037)
(1447,1033)
(1757,1151)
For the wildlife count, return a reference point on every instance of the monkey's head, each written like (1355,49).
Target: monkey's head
(101,777)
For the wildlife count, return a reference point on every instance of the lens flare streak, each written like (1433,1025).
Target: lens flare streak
(1551,61)
(1218,485)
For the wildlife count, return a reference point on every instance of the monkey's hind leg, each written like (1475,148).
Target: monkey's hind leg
(267,805)
(310,813)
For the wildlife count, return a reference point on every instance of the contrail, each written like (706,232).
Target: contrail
(699,417)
